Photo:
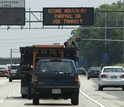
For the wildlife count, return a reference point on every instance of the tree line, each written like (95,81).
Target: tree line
(90,50)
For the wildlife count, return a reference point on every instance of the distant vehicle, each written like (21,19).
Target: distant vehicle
(14,72)
(81,71)
(3,72)
(111,76)
(93,72)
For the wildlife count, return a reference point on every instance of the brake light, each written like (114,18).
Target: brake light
(104,76)
(122,76)
(76,80)
(5,71)
(35,79)
(35,82)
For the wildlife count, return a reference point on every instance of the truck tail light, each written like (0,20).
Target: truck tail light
(104,76)
(35,80)
(76,80)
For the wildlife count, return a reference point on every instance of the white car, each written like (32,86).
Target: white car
(111,76)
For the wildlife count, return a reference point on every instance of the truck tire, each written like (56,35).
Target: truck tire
(74,99)
(35,99)
(122,87)
(29,94)
(100,87)
(24,96)
(10,80)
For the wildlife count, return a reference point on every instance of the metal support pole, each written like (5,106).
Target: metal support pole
(105,35)
(11,57)
(123,32)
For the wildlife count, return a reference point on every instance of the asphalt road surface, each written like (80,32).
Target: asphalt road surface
(89,96)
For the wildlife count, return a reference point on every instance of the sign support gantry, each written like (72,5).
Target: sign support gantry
(34,20)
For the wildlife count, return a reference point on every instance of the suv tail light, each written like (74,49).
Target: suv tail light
(104,76)
(122,76)
(35,80)
(76,80)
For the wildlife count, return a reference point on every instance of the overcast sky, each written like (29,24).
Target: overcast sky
(15,38)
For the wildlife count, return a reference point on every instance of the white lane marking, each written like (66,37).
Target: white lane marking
(9,96)
(98,103)
(13,92)
(1,101)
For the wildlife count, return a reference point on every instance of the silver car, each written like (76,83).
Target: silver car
(111,76)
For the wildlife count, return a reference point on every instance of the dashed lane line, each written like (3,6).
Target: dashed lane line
(1,101)
(98,103)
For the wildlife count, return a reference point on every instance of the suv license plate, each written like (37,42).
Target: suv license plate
(56,91)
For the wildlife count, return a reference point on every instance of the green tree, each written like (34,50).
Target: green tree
(91,49)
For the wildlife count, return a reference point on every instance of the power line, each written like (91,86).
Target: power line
(34,38)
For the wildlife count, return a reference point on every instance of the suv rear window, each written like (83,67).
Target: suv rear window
(2,69)
(60,66)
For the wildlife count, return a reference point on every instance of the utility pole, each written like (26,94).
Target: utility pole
(105,34)
(123,32)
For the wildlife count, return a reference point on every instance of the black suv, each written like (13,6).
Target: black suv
(56,79)
(14,73)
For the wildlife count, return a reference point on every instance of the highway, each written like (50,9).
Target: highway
(89,96)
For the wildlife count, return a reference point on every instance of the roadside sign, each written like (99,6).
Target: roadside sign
(80,62)
(68,15)
(12,3)
(105,57)
(56,43)
(12,12)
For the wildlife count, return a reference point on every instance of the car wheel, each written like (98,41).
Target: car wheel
(88,78)
(122,87)
(100,87)
(24,96)
(29,94)
(10,80)
(75,99)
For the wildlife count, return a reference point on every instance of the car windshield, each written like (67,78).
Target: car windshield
(81,69)
(60,66)
(113,70)
(2,69)
(15,67)
(95,68)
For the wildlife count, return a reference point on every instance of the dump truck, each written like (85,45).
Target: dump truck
(30,55)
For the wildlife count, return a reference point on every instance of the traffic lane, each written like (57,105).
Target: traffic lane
(83,102)
(10,96)
(6,88)
(109,97)
(15,100)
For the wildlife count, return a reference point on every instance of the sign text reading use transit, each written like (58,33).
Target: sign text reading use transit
(68,16)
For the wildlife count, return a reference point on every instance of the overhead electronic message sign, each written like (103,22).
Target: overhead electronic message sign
(68,16)
(12,12)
